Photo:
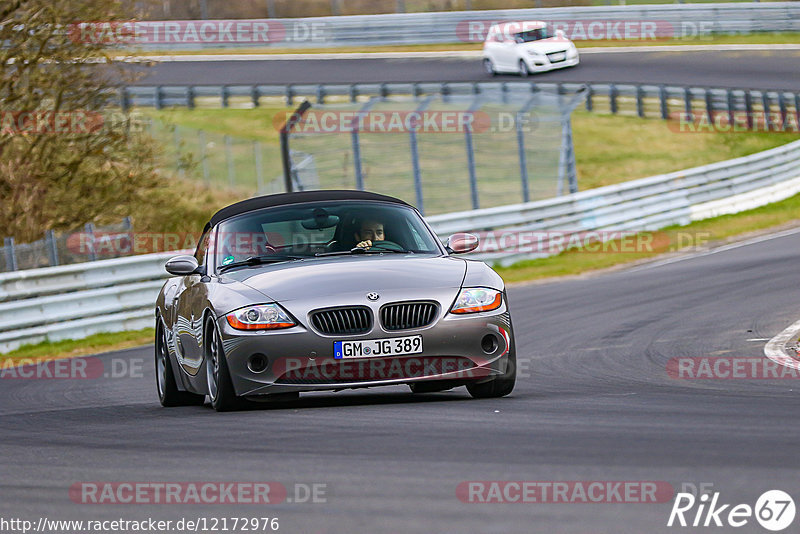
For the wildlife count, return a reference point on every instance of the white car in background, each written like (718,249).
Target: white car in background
(527,47)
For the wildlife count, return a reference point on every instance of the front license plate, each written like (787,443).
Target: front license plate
(373,348)
(558,57)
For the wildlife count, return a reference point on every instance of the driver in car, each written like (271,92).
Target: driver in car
(369,232)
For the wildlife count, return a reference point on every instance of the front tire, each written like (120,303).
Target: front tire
(168,393)
(489,67)
(523,69)
(500,386)
(218,377)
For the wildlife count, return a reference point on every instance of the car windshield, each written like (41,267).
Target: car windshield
(313,230)
(532,35)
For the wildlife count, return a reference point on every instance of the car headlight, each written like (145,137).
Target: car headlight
(477,299)
(535,53)
(261,317)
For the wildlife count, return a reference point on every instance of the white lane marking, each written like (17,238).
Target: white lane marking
(759,339)
(448,54)
(731,246)
(774,349)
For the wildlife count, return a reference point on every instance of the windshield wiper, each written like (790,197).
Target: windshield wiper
(259,260)
(359,250)
(355,250)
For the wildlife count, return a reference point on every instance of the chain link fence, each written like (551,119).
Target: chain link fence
(441,153)
(218,160)
(89,244)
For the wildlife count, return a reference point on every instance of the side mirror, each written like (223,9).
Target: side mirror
(560,34)
(181,265)
(462,243)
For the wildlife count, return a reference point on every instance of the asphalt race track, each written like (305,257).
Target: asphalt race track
(740,69)
(594,402)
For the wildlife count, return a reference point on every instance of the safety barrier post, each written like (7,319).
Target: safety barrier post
(11,254)
(52,249)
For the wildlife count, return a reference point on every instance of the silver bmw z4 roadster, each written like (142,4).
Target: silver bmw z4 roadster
(328,290)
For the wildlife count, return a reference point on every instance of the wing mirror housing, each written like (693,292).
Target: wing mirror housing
(182,265)
(462,243)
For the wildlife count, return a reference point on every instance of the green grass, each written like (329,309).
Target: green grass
(716,39)
(251,124)
(177,132)
(715,230)
(93,344)
(609,149)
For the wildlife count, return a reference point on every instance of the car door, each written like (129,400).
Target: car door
(188,305)
(507,53)
(490,49)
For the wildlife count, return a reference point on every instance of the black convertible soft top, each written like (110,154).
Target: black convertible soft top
(281,199)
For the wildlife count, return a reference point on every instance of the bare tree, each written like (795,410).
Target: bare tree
(67,155)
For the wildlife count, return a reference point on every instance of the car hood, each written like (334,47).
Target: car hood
(320,278)
(545,46)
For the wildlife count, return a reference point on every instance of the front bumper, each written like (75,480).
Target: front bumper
(300,359)
(543,63)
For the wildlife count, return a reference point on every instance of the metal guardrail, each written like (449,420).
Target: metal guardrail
(672,20)
(75,301)
(111,295)
(34,283)
(287,8)
(676,198)
(644,100)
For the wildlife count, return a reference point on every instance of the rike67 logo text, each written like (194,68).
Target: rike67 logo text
(774,510)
